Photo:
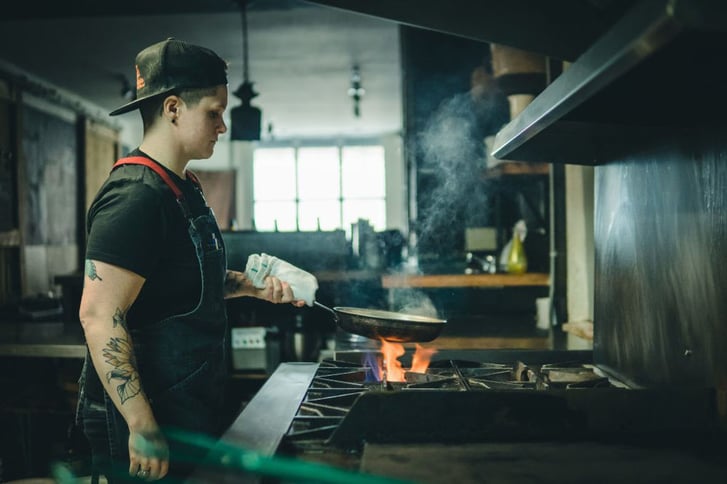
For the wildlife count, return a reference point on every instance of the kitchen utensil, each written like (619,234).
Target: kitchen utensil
(387,325)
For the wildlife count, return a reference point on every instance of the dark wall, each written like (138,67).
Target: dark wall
(445,127)
(661,261)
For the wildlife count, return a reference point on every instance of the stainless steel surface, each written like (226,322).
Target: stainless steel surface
(41,340)
(566,402)
(266,418)
(660,232)
(537,134)
(43,350)
(525,24)
(261,425)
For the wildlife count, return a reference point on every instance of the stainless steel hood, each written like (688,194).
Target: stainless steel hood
(657,70)
(640,68)
(561,30)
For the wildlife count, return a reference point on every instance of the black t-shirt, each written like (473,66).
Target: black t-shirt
(135,223)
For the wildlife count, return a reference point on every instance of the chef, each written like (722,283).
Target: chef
(152,307)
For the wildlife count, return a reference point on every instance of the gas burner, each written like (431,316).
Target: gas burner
(338,384)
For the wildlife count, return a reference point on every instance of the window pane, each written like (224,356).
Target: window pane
(267,213)
(274,174)
(318,174)
(363,172)
(372,210)
(328,212)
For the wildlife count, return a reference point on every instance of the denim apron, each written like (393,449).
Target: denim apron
(182,360)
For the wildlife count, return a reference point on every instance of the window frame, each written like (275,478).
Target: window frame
(339,145)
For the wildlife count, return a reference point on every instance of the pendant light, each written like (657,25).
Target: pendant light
(356,91)
(245,119)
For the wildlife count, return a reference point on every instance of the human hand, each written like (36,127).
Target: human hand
(303,284)
(277,291)
(148,455)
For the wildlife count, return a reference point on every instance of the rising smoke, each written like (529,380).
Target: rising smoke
(452,146)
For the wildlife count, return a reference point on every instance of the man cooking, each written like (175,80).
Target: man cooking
(152,307)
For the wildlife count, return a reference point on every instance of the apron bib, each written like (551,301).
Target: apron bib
(182,360)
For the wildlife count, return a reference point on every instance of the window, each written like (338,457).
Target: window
(322,187)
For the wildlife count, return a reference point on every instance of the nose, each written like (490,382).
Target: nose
(223,126)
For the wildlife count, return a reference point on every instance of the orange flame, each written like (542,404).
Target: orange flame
(422,357)
(392,367)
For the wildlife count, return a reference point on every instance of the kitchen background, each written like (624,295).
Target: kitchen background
(472,121)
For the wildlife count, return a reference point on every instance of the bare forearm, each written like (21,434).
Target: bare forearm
(112,354)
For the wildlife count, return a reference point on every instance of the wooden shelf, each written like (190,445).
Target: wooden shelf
(488,342)
(346,275)
(464,280)
(516,168)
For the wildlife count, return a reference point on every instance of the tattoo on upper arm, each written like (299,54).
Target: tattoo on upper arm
(119,354)
(91,271)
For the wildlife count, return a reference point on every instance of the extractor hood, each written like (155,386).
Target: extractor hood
(561,29)
(656,71)
(638,69)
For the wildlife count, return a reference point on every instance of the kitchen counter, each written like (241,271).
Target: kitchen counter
(48,339)
(464,280)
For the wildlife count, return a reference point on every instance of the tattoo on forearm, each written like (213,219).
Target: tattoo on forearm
(91,271)
(119,354)
(233,283)
(120,319)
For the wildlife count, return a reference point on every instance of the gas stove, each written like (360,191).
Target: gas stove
(329,413)
(340,410)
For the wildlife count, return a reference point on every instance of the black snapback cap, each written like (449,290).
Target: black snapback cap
(174,64)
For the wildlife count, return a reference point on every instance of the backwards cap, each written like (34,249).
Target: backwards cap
(174,64)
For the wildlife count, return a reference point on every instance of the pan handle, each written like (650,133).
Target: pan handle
(335,316)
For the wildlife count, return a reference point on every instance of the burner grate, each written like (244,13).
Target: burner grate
(337,386)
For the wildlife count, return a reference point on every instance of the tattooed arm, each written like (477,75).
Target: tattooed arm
(108,292)
(275,290)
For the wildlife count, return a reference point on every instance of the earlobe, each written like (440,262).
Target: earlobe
(171,108)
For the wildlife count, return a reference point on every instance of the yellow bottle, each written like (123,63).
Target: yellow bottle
(517,261)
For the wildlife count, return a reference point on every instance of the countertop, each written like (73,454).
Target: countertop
(47,339)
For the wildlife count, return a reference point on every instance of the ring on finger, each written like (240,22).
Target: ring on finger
(143,473)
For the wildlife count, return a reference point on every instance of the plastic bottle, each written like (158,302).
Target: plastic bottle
(517,260)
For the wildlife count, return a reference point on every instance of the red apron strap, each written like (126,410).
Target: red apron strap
(140,160)
(191,176)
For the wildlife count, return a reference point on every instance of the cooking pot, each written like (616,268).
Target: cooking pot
(387,325)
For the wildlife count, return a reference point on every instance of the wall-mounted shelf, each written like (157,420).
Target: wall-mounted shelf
(656,70)
(464,280)
(516,168)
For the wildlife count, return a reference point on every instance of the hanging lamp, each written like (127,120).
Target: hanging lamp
(245,119)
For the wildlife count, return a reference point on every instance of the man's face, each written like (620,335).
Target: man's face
(201,125)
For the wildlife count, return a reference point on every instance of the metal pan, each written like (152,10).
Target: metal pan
(387,325)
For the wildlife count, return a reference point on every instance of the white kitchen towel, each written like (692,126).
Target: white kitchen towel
(258,268)
(303,284)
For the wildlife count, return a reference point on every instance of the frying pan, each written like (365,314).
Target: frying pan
(387,325)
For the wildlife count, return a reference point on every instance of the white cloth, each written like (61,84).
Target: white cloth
(303,284)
